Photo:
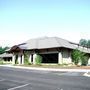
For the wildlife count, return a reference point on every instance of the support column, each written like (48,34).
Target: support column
(23,59)
(89,61)
(13,59)
(19,59)
(60,59)
(30,58)
(34,56)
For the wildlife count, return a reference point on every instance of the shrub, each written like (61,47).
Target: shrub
(1,61)
(26,58)
(38,59)
(84,60)
(76,56)
(79,56)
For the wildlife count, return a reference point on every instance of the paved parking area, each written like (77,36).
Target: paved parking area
(12,85)
(22,79)
(69,73)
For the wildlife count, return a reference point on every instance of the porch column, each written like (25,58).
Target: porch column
(60,59)
(13,59)
(34,56)
(30,58)
(19,59)
(89,61)
(23,59)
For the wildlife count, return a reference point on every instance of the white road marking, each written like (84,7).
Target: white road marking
(18,86)
(86,74)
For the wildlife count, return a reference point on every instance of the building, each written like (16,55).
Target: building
(52,50)
(6,57)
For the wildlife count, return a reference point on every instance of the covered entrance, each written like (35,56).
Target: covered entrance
(49,58)
(18,55)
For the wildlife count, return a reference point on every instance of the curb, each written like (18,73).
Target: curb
(49,69)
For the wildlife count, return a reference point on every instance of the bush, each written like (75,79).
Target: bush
(84,60)
(79,56)
(38,59)
(1,62)
(76,56)
(26,58)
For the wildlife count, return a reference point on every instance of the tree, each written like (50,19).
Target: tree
(88,43)
(83,42)
(2,50)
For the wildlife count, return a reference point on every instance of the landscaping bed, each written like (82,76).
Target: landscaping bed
(58,66)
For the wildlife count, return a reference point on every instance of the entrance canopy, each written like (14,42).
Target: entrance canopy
(15,48)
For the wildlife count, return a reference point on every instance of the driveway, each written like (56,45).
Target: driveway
(23,79)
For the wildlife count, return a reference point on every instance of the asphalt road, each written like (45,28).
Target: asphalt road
(22,79)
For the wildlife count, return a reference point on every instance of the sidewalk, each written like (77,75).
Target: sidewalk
(86,71)
(49,69)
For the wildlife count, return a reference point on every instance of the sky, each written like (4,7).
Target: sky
(21,20)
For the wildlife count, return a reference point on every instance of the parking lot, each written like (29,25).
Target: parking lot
(12,85)
(22,79)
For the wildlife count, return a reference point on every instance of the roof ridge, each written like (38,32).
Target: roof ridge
(56,38)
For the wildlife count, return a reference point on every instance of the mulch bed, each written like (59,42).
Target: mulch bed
(58,67)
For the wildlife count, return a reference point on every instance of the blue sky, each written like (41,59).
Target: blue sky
(21,20)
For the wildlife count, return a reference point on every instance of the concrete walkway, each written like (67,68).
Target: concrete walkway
(49,69)
(87,71)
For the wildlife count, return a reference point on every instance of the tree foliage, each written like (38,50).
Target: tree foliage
(83,42)
(2,50)
(88,44)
